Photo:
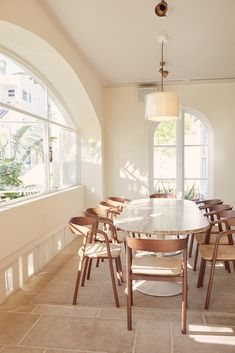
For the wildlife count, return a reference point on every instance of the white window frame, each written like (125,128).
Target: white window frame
(72,127)
(180,153)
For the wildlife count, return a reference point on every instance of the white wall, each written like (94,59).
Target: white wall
(31,35)
(127,135)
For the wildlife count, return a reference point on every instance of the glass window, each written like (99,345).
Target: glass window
(37,152)
(180,157)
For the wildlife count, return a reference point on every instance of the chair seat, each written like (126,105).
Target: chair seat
(151,264)
(225,252)
(200,238)
(95,250)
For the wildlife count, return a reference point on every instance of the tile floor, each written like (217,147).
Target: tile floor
(40,318)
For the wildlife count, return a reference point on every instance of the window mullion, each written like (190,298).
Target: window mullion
(180,158)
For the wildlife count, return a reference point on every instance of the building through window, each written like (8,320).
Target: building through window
(38,140)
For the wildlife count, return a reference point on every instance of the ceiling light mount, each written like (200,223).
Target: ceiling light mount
(161,9)
(162,106)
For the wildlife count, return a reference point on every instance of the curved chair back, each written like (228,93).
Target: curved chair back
(161,196)
(110,204)
(81,225)
(226,214)
(118,199)
(209,202)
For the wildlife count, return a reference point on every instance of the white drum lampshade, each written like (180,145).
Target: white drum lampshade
(162,106)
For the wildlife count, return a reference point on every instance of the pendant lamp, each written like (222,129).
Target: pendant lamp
(162,106)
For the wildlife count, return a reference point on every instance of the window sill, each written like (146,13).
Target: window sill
(34,198)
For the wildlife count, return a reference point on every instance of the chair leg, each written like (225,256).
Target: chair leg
(97,262)
(195,258)
(191,245)
(84,272)
(184,303)
(129,303)
(120,268)
(118,272)
(89,269)
(227,266)
(113,283)
(201,274)
(75,295)
(209,289)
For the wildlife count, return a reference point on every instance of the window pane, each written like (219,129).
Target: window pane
(165,133)
(62,155)
(68,157)
(195,162)
(164,162)
(195,132)
(56,111)
(195,189)
(20,89)
(22,170)
(165,186)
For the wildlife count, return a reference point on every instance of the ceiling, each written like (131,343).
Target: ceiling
(119,38)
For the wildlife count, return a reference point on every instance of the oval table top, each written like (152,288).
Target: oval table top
(162,217)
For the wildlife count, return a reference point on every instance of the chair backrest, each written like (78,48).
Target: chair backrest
(226,214)
(219,207)
(161,196)
(81,225)
(230,221)
(95,212)
(154,245)
(107,204)
(209,202)
(118,199)
(213,211)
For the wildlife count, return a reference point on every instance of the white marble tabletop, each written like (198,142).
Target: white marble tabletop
(161,217)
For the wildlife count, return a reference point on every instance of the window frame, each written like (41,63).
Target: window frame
(180,153)
(71,126)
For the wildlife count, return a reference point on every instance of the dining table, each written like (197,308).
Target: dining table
(161,218)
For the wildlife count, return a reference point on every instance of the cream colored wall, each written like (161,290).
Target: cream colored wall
(127,134)
(22,226)
(30,33)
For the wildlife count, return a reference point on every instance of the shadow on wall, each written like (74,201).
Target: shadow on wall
(91,175)
(133,181)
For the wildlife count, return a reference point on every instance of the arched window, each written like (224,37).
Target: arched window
(38,140)
(182,157)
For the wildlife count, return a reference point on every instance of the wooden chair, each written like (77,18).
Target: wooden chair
(202,204)
(149,267)
(118,199)
(161,196)
(213,215)
(107,216)
(112,205)
(216,252)
(91,249)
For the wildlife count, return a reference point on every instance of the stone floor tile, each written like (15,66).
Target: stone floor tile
(65,310)
(17,301)
(13,326)
(17,349)
(219,319)
(203,338)
(86,334)
(152,337)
